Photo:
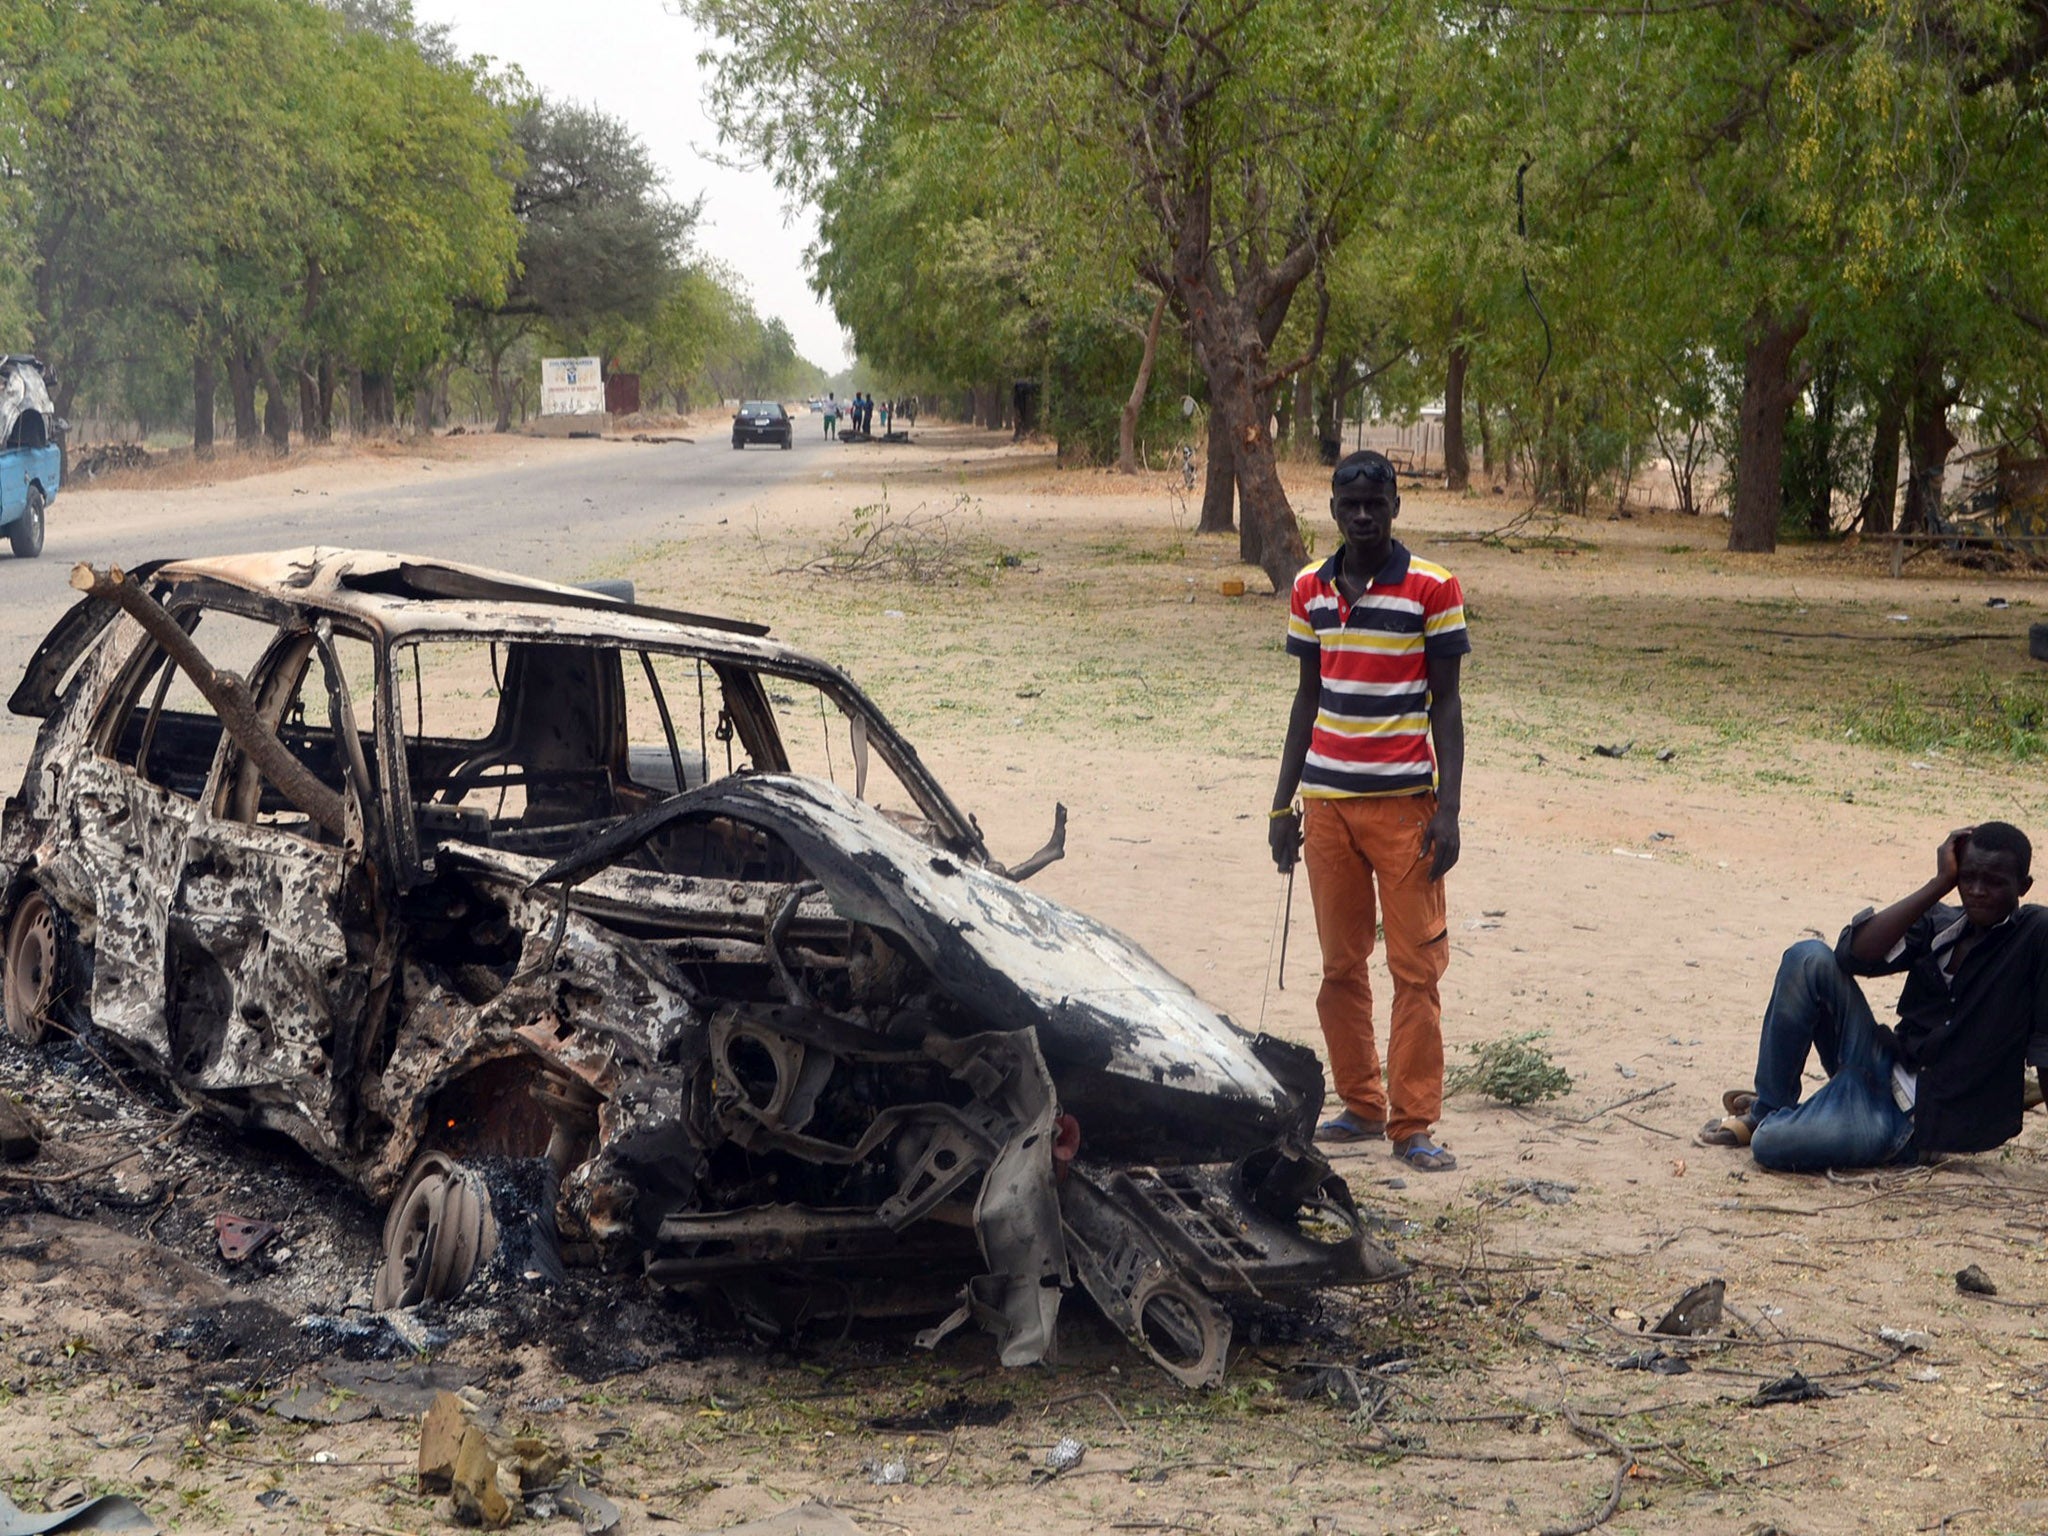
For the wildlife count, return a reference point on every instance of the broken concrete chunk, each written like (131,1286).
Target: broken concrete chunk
(477,1498)
(538,1463)
(440,1440)
(1907,1340)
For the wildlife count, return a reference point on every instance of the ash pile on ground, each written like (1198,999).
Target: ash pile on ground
(304,1294)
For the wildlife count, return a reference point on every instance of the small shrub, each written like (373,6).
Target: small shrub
(1513,1070)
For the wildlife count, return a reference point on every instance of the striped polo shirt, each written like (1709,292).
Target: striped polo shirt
(1372,722)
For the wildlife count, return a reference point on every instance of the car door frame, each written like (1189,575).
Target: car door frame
(276,952)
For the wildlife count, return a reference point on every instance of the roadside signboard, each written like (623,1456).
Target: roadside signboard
(571,386)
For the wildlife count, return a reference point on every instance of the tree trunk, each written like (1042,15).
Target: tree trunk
(1485,442)
(374,399)
(1457,467)
(324,379)
(1928,445)
(1127,424)
(1219,481)
(1881,493)
(309,405)
(1820,459)
(1231,331)
(1330,413)
(1768,390)
(203,386)
(242,390)
(1227,336)
(277,411)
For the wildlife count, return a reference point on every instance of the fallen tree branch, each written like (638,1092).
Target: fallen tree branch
(1608,1109)
(1624,1463)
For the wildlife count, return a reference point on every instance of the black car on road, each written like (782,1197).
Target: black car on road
(762,421)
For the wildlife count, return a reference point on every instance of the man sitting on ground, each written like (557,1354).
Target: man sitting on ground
(1951,1076)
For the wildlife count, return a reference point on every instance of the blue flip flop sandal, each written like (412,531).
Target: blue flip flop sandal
(1421,1153)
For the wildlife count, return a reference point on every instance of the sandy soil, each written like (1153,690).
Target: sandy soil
(1066,639)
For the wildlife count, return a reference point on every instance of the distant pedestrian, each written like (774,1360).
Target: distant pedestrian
(831,416)
(888,410)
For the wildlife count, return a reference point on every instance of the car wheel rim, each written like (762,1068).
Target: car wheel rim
(31,968)
(439,1230)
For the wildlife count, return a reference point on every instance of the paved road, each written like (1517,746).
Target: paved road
(556,514)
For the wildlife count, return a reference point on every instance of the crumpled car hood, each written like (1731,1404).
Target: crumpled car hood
(1019,960)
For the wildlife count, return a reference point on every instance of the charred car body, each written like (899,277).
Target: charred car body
(431,868)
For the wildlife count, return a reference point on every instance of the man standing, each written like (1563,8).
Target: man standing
(1951,1076)
(1379,635)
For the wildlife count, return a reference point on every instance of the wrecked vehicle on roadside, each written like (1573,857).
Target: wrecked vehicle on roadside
(590,932)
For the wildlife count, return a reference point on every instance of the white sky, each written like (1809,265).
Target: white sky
(638,62)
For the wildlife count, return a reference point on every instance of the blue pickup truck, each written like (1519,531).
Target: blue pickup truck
(31,463)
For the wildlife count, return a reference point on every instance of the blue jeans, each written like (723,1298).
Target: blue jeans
(1853,1121)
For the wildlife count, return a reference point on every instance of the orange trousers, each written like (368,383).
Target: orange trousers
(1349,847)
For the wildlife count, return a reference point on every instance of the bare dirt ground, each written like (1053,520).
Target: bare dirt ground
(1062,636)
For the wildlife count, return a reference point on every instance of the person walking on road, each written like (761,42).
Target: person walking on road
(831,416)
(1380,636)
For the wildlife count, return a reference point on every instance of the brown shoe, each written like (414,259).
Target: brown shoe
(1728,1131)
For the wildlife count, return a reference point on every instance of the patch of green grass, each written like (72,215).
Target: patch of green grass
(1977,714)
(1124,551)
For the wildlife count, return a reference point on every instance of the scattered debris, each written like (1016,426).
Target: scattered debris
(887,1474)
(238,1237)
(1975,1281)
(441,1435)
(474,1494)
(598,1513)
(1697,1311)
(107,1513)
(1356,1389)
(21,1134)
(1543,1191)
(953,1413)
(1666,754)
(1907,1340)
(1655,1361)
(1065,1455)
(1602,750)
(348,1391)
(1794,1388)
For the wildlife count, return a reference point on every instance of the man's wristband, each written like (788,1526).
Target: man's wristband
(1285,810)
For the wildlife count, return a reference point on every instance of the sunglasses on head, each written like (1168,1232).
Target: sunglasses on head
(1366,469)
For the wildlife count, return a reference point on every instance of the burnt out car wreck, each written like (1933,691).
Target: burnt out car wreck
(432,870)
